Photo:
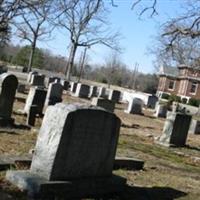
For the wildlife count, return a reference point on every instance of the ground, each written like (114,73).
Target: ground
(169,173)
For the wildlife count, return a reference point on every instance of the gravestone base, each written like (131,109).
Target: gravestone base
(6,122)
(38,187)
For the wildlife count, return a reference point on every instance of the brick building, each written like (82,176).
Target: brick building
(182,81)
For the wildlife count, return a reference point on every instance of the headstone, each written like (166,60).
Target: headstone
(194,127)
(161,110)
(175,129)
(65,85)
(32,115)
(103,103)
(8,86)
(30,76)
(114,95)
(82,90)
(135,106)
(36,96)
(54,94)
(152,101)
(102,92)
(52,79)
(3,69)
(93,91)
(73,86)
(21,88)
(73,151)
(37,80)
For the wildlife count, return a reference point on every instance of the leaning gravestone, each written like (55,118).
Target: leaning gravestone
(36,97)
(135,106)
(103,103)
(114,95)
(82,90)
(8,86)
(175,129)
(54,94)
(74,154)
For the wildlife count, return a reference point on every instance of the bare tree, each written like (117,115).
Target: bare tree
(32,25)
(87,25)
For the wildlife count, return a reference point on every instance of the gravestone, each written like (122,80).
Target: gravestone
(32,115)
(21,88)
(135,106)
(194,127)
(102,92)
(37,80)
(30,76)
(93,91)
(65,85)
(54,94)
(114,95)
(175,129)
(152,100)
(73,86)
(36,97)
(103,103)
(52,79)
(82,90)
(8,86)
(74,154)
(161,110)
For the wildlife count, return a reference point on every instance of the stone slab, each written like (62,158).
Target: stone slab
(38,187)
(128,163)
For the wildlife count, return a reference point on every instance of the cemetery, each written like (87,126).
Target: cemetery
(64,145)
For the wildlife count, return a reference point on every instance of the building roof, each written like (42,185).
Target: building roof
(170,71)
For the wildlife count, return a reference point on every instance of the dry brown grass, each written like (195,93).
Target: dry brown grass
(168,173)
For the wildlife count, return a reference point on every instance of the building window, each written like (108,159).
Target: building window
(171,85)
(193,88)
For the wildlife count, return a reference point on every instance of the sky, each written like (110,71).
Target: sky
(137,34)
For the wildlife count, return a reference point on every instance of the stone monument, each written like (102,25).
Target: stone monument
(8,87)
(74,154)
(103,103)
(82,90)
(114,95)
(135,106)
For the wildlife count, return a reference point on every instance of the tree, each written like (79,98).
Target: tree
(86,23)
(33,25)
(22,57)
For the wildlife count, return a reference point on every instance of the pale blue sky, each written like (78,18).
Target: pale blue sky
(137,34)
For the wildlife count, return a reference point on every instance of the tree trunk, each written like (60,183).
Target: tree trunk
(82,64)
(31,56)
(70,62)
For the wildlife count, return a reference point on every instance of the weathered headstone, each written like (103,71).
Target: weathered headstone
(54,94)
(36,97)
(93,91)
(175,129)
(30,76)
(103,103)
(114,95)
(194,127)
(152,100)
(161,110)
(21,88)
(135,106)
(82,90)
(37,80)
(8,86)
(74,154)
(102,92)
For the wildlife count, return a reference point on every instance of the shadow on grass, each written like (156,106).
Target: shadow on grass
(192,148)
(130,126)
(154,193)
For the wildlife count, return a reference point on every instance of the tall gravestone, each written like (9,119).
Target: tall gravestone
(175,129)
(82,90)
(54,94)
(75,151)
(114,95)
(8,87)
(36,97)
